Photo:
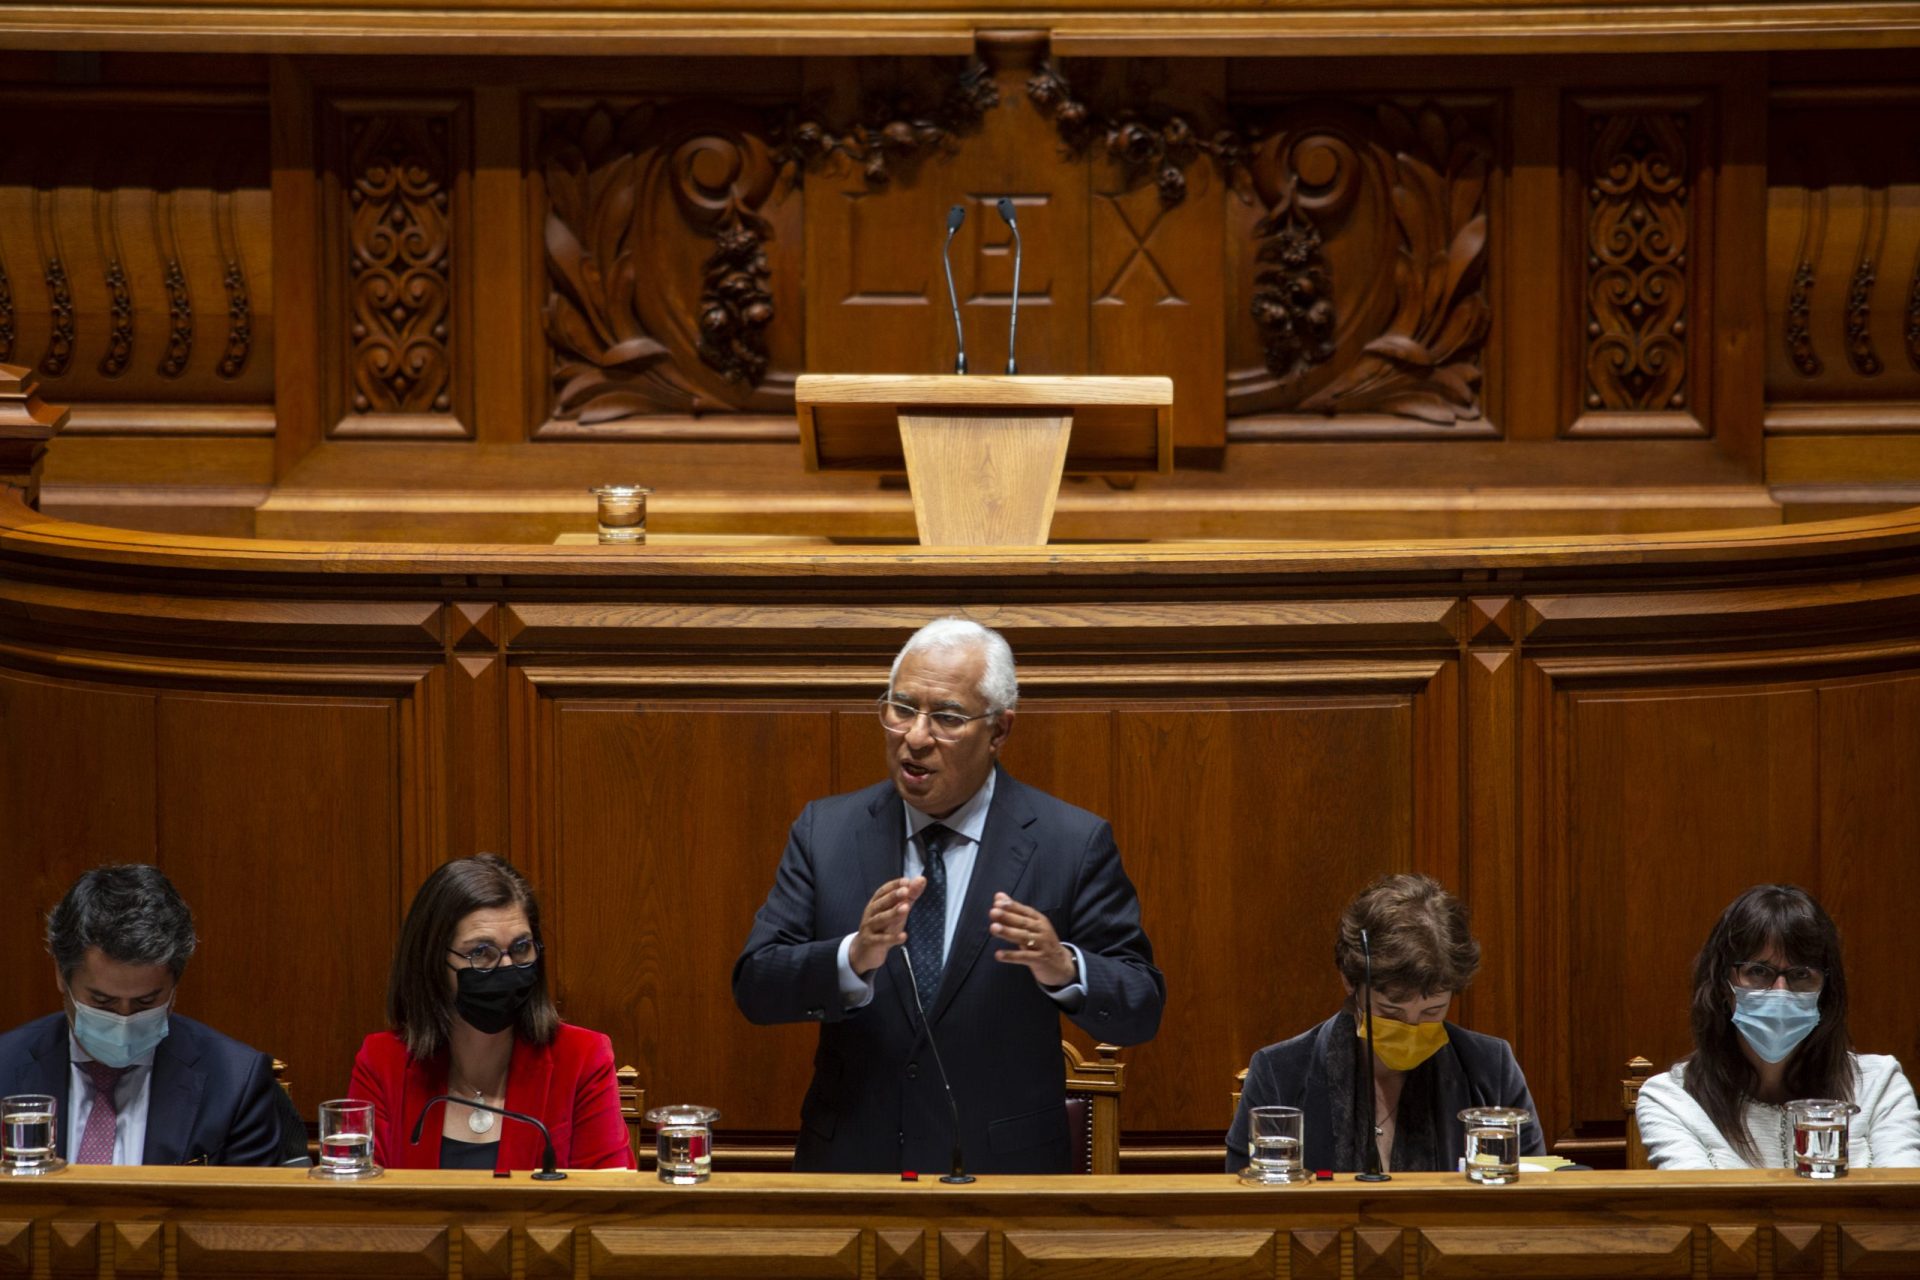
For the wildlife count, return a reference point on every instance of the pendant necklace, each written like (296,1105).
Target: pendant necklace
(478,1121)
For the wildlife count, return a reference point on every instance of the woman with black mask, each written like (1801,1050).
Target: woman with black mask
(1769,1027)
(471,1016)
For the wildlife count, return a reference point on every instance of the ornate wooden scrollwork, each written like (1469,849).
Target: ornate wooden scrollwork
(1860,353)
(1148,141)
(893,130)
(399,244)
(1396,184)
(179,348)
(6,316)
(119,352)
(1638,224)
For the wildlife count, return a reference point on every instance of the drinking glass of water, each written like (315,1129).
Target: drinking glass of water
(26,1134)
(346,1141)
(684,1147)
(1493,1144)
(1820,1136)
(1276,1147)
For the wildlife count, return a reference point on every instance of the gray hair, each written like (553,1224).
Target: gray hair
(132,913)
(998,687)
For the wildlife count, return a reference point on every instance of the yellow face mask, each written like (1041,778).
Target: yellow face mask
(1403,1045)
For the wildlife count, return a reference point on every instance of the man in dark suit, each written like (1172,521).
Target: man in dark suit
(1008,906)
(134,1082)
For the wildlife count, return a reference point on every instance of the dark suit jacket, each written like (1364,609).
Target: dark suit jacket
(1471,1070)
(876,1103)
(211,1102)
(569,1085)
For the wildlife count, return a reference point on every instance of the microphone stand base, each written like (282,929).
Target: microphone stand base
(958,1179)
(1373,1177)
(549,1175)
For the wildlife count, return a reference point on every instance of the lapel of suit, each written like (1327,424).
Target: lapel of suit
(173,1101)
(1006,845)
(882,857)
(48,1069)
(529,1079)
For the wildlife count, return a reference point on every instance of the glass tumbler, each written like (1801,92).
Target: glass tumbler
(26,1134)
(1493,1144)
(684,1147)
(346,1141)
(1820,1136)
(1276,1147)
(622,512)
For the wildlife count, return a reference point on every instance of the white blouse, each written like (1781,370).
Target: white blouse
(1679,1135)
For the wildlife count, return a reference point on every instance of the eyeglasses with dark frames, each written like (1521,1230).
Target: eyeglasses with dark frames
(485,957)
(1758,975)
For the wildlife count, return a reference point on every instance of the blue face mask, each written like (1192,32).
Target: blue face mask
(119,1040)
(1775,1022)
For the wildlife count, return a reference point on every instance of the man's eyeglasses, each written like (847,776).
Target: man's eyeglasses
(485,957)
(945,726)
(1758,975)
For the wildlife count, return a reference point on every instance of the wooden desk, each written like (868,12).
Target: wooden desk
(204,1222)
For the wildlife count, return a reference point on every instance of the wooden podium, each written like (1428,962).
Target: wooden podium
(984,454)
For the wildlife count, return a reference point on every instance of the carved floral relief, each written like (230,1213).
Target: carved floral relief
(1637,274)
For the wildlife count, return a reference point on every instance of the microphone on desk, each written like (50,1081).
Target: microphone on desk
(1013,319)
(959,1173)
(1372,1172)
(547,1172)
(955,216)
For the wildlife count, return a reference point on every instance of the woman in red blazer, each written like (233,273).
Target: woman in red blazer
(472,1017)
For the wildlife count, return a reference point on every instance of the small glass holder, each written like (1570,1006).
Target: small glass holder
(622,513)
(346,1142)
(1820,1137)
(1276,1147)
(684,1145)
(1493,1144)
(26,1135)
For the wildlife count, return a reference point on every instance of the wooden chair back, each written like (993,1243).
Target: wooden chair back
(1094,1086)
(1638,1069)
(633,1110)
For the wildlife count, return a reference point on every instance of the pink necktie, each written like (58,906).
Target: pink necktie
(96,1140)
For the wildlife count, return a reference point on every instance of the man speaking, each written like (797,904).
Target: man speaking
(954,890)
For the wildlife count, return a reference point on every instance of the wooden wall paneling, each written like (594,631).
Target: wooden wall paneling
(1638,206)
(1650,864)
(1735,327)
(1537,279)
(1363,308)
(69,803)
(281,822)
(1155,216)
(503,311)
(1843,257)
(669,819)
(477,805)
(669,283)
(1490,777)
(296,265)
(1869,812)
(876,295)
(135,262)
(396,262)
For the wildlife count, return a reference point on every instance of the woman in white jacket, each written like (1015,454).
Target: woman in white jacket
(1769,1027)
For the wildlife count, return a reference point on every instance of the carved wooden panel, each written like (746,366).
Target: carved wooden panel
(1641,230)
(1843,249)
(1360,256)
(671,241)
(312,1249)
(1090,1255)
(1665,1250)
(396,297)
(135,252)
(725,1253)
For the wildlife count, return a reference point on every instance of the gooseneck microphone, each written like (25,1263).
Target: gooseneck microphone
(1013,319)
(959,1173)
(955,216)
(1372,1171)
(547,1172)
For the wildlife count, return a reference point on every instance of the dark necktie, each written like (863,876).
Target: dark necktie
(927,922)
(96,1140)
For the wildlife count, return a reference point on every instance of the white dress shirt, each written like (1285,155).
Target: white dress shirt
(968,823)
(130,1098)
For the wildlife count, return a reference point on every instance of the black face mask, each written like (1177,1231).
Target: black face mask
(491,1001)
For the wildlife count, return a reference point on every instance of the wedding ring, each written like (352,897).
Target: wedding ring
(1033,944)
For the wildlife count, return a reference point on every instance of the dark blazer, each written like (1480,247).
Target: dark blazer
(1471,1070)
(211,1101)
(876,1103)
(569,1085)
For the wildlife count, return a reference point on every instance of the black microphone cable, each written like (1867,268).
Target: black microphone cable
(959,1173)
(1372,1172)
(1013,320)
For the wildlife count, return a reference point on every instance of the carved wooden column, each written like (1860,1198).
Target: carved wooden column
(26,424)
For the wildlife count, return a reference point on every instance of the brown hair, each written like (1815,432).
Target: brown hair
(1418,934)
(1719,1077)
(419,997)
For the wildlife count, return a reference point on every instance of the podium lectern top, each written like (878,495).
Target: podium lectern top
(850,422)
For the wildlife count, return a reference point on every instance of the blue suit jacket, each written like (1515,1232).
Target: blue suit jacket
(876,1103)
(212,1098)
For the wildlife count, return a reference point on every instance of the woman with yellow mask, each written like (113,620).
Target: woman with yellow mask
(1425,1069)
